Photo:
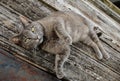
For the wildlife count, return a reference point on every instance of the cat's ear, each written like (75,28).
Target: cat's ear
(25,20)
(15,40)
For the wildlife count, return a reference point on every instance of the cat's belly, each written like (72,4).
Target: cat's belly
(80,34)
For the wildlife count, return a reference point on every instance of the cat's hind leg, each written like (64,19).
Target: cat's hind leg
(97,41)
(92,44)
(60,60)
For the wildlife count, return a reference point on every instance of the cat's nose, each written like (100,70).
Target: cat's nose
(37,37)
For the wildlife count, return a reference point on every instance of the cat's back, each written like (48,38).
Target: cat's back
(70,18)
(67,15)
(75,24)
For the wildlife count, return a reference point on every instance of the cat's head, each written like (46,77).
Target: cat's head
(30,36)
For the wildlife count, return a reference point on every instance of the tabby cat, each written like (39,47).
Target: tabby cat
(55,33)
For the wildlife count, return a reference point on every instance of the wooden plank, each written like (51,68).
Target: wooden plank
(79,65)
(32,9)
(12,69)
(106,9)
(93,67)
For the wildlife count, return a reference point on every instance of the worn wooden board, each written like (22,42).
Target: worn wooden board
(30,8)
(81,65)
(107,7)
(13,69)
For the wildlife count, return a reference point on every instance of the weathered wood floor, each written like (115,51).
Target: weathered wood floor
(82,64)
(13,69)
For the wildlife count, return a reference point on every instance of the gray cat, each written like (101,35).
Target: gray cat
(55,33)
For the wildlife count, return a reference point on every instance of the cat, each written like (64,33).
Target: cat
(55,33)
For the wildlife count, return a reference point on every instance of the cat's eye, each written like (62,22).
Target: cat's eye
(27,40)
(33,29)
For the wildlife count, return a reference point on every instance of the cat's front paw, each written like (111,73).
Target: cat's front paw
(60,75)
(68,40)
